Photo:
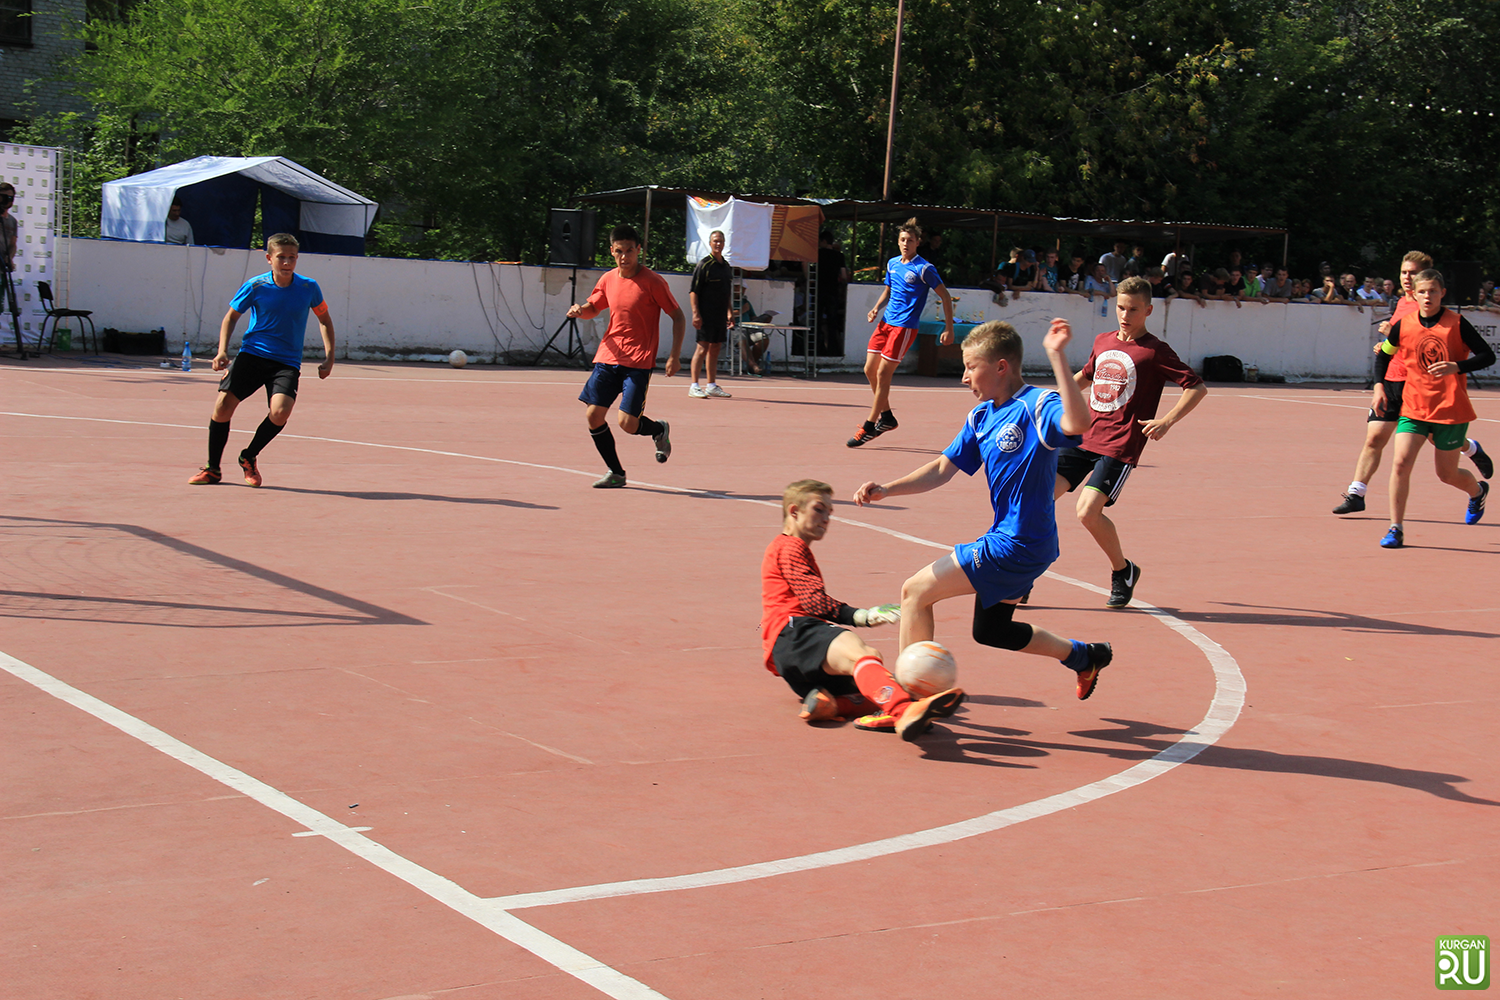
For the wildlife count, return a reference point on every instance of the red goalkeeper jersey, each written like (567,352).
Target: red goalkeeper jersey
(791,584)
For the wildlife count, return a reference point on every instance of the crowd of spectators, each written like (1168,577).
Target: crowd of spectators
(1232,278)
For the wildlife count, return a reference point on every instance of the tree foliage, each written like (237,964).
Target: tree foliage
(1363,126)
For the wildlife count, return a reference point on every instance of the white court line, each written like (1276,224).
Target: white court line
(493,914)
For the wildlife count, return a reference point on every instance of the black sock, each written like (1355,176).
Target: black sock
(870,426)
(263,435)
(605,442)
(648,427)
(888,418)
(218,437)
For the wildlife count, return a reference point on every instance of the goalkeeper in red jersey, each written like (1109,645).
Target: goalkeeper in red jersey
(808,638)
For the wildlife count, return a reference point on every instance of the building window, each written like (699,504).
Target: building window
(15,22)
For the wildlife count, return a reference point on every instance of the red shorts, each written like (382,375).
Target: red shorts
(891,342)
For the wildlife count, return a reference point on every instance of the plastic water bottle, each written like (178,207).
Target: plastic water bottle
(187,355)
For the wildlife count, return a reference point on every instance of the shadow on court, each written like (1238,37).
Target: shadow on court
(1319,619)
(84,596)
(962,742)
(430,497)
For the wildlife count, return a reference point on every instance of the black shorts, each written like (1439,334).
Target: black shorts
(715,328)
(608,383)
(1393,393)
(248,372)
(1105,473)
(800,652)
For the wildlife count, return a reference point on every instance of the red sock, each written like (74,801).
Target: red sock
(879,687)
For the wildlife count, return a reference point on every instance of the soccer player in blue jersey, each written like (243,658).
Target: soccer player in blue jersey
(907,280)
(270,354)
(1014,434)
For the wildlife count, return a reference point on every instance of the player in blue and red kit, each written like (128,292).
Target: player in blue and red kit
(907,280)
(1014,435)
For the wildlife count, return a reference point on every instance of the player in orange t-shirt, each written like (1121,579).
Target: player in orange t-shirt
(806,633)
(635,296)
(1439,348)
(1385,404)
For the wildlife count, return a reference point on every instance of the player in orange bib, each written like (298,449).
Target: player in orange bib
(1439,348)
(1385,405)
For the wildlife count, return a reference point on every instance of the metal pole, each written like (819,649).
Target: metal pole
(646,236)
(890,129)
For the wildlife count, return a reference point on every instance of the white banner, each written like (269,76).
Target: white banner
(746,226)
(34,171)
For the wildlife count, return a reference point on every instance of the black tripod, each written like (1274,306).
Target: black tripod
(9,304)
(575,339)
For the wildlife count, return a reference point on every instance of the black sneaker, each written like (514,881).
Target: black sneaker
(1351,504)
(887,422)
(1482,461)
(1100,655)
(1122,585)
(867,432)
(663,441)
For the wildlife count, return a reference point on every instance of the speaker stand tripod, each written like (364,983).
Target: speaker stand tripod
(9,304)
(575,339)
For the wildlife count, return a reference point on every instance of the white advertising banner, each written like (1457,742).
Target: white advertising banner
(34,172)
(746,226)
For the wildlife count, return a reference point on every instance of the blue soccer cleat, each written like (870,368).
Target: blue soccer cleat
(1394,538)
(1476,505)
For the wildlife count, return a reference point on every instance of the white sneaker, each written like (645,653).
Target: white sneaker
(697,392)
(714,390)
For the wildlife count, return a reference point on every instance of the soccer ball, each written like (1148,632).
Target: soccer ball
(458,359)
(925,669)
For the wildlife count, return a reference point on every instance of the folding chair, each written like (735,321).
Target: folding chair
(44,292)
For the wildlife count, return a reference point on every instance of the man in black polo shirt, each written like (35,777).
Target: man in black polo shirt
(713,279)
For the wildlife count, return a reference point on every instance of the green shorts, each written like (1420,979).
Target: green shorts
(1445,437)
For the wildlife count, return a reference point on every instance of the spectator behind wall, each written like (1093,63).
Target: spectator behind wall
(178,230)
(1186,287)
(1279,287)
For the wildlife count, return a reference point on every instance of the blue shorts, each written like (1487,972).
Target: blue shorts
(608,383)
(996,577)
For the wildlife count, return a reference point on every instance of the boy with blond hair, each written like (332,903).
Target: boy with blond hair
(1124,378)
(1439,348)
(806,634)
(1013,435)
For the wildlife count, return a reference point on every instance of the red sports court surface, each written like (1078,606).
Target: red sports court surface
(426,716)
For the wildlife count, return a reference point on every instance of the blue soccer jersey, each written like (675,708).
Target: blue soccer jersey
(278,316)
(908,284)
(1016,442)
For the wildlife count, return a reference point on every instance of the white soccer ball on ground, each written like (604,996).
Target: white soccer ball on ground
(925,669)
(458,359)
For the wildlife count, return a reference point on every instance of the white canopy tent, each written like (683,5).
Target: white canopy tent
(219,194)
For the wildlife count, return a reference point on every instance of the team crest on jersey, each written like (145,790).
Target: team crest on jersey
(912,278)
(1009,438)
(1431,350)
(1114,381)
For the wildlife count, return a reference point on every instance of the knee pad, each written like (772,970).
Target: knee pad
(993,627)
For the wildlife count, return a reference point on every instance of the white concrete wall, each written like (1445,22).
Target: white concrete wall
(1301,340)
(381,307)
(384,308)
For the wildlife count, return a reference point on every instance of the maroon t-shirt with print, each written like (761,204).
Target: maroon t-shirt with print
(1128,377)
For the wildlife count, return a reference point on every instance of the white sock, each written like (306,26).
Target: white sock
(1357,489)
(713,385)
(695,384)
(1472,448)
